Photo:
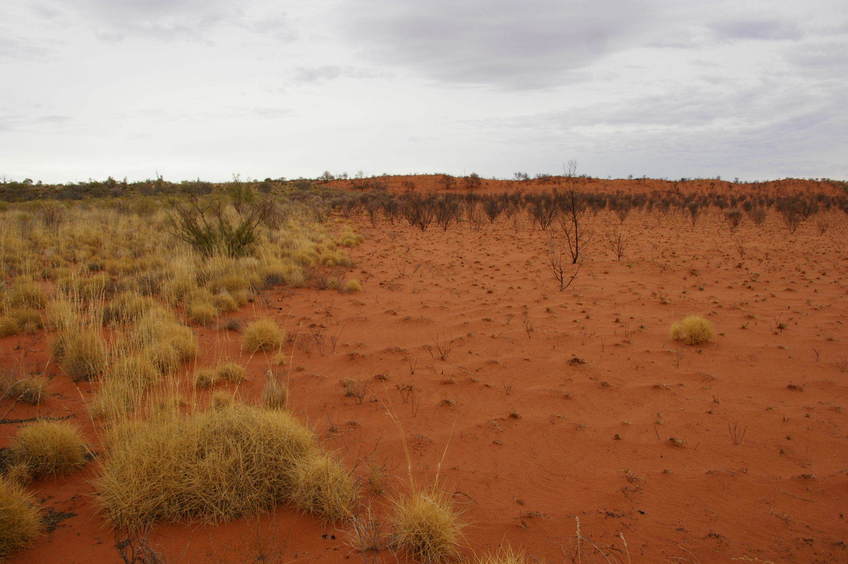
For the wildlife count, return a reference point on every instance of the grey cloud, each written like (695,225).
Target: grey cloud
(243,113)
(749,132)
(114,20)
(827,59)
(271,113)
(163,19)
(331,72)
(317,74)
(510,44)
(757,29)
(683,108)
(22,122)
(276,26)
(14,48)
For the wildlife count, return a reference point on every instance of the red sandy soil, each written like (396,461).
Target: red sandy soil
(546,406)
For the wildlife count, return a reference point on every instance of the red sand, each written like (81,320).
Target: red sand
(535,437)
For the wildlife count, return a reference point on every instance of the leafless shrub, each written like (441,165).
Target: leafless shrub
(573,226)
(563,271)
(617,242)
(447,210)
(542,209)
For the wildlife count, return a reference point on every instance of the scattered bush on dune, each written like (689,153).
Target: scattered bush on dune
(274,394)
(263,335)
(225,302)
(49,448)
(81,353)
(166,342)
(230,372)
(502,556)
(322,486)
(202,312)
(222,399)
(692,330)
(26,295)
(426,527)
(20,521)
(20,320)
(8,326)
(29,389)
(126,307)
(210,466)
(205,378)
(352,286)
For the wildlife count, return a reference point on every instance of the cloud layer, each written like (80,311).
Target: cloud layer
(259,88)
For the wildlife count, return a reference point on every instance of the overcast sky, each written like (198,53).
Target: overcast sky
(271,88)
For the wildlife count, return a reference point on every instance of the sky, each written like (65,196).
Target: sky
(214,89)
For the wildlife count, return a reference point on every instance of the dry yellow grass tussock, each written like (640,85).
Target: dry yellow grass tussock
(693,330)
(29,389)
(502,556)
(274,393)
(209,466)
(323,487)
(426,527)
(263,335)
(20,522)
(49,448)
(81,352)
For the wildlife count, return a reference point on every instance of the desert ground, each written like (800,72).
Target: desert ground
(565,424)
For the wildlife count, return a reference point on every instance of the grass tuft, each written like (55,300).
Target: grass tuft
(263,335)
(205,378)
(49,448)
(202,312)
(426,527)
(692,330)
(82,353)
(29,389)
(274,394)
(209,466)
(352,286)
(502,556)
(27,295)
(230,372)
(20,320)
(323,487)
(20,521)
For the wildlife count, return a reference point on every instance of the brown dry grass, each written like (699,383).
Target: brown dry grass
(216,465)
(426,527)
(693,330)
(263,335)
(49,448)
(20,521)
